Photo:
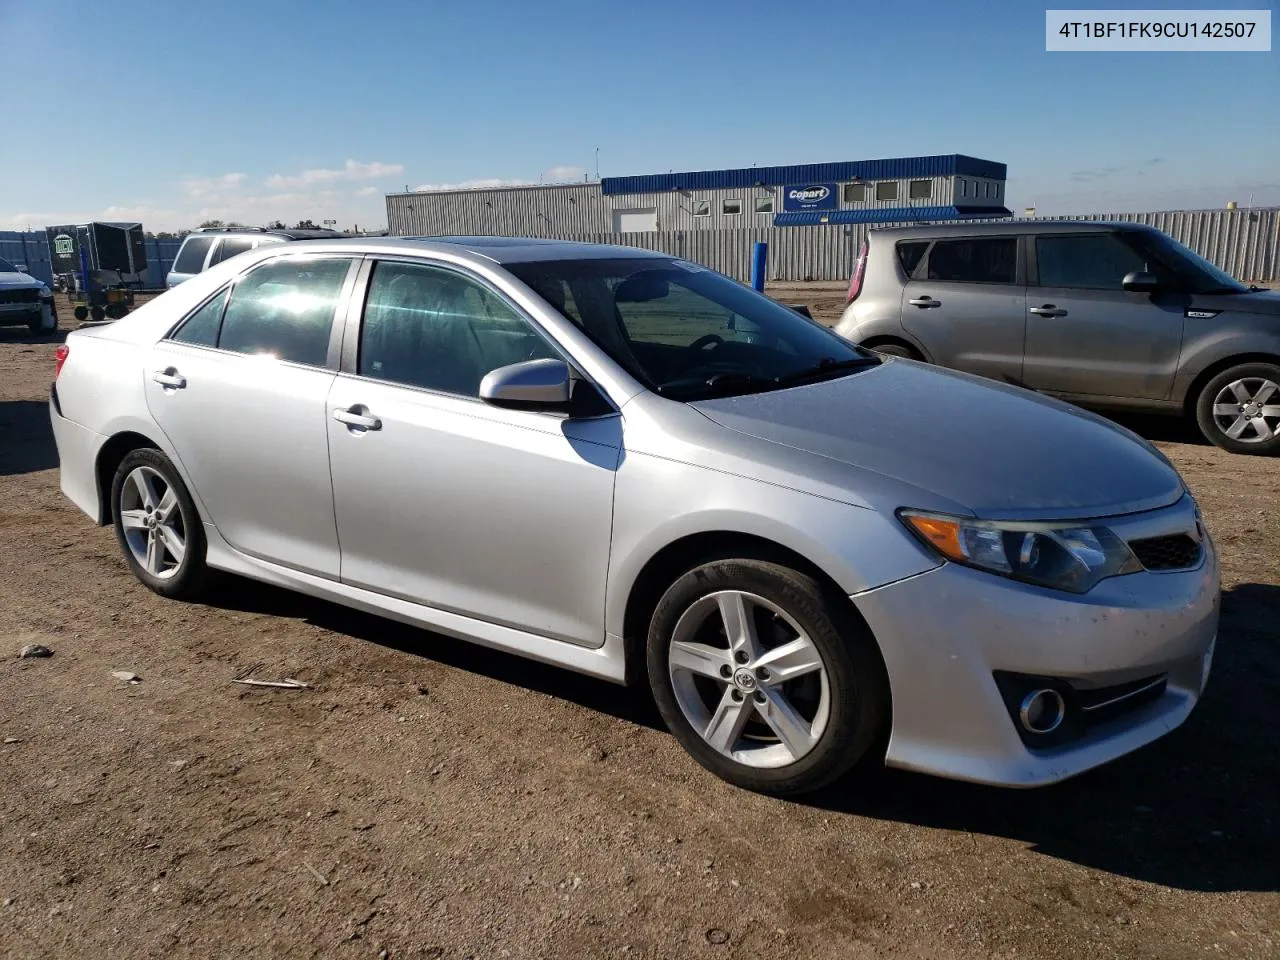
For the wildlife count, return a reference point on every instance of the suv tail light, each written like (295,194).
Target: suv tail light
(59,358)
(859,270)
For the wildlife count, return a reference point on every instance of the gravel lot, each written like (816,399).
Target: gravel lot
(425,798)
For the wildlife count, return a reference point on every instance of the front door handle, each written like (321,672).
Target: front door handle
(1047,310)
(169,378)
(356,418)
(925,302)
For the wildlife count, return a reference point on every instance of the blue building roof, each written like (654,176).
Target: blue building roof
(900,168)
(888,215)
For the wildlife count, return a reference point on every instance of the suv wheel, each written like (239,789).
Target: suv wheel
(1239,409)
(764,676)
(895,349)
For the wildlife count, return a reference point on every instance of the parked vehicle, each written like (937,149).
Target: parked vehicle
(1106,315)
(630,466)
(26,300)
(209,246)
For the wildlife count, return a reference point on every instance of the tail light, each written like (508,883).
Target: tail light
(859,269)
(59,358)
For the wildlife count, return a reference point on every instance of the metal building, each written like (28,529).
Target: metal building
(948,187)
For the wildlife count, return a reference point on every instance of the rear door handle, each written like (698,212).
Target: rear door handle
(353,417)
(170,379)
(925,302)
(1048,310)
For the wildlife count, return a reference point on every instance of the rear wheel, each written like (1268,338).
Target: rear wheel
(158,527)
(764,676)
(894,348)
(1239,409)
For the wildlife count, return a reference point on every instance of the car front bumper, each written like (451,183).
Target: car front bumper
(946,633)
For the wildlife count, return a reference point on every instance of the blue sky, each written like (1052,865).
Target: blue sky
(174,112)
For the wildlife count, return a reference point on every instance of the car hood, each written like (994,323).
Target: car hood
(1266,302)
(1003,452)
(20,280)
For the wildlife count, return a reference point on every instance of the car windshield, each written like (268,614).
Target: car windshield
(689,333)
(1193,271)
(7,267)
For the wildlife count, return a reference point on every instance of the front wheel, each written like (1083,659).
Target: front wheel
(894,349)
(765,676)
(158,527)
(1239,409)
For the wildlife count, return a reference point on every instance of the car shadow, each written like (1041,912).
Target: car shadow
(26,437)
(1160,429)
(21,335)
(633,705)
(1196,810)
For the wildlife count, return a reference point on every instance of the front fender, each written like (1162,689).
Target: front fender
(858,548)
(1234,339)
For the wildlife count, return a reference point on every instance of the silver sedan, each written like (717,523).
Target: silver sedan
(627,465)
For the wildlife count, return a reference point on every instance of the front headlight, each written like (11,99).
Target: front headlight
(1062,555)
(44,293)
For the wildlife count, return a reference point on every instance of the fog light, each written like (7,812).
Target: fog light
(1042,711)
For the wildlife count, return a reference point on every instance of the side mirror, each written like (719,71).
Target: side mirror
(531,385)
(1140,282)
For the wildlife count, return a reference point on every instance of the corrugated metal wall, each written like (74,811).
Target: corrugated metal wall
(1245,243)
(32,248)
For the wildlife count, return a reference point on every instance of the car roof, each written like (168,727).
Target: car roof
(287,234)
(499,250)
(1005,227)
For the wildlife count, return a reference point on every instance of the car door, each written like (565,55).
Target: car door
(239,388)
(1087,335)
(966,304)
(499,514)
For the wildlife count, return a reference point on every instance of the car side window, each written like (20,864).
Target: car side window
(910,253)
(1093,261)
(229,249)
(191,256)
(435,328)
(285,308)
(201,327)
(975,260)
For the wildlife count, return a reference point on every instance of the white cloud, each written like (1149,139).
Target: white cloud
(197,187)
(351,170)
(561,174)
(366,191)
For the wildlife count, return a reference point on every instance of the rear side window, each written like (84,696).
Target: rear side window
(1093,261)
(201,327)
(975,260)
(285,308)
(191,256)
(910,253)
(229,249)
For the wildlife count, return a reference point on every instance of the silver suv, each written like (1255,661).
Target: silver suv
(209,246)
(1107,315)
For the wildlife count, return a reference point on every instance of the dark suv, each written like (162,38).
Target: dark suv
(1107,315)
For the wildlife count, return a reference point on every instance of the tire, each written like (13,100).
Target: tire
(184,578)
(97,313)
(35,323)
(897,350)
(1253,389)
(848,687)
(81,313)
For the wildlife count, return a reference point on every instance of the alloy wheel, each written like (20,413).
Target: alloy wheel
(748,679)
(152,522)
(1248,410)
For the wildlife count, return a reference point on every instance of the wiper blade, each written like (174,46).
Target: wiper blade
(717,384)
(826,367)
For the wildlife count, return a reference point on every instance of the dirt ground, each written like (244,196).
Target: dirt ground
(426,798)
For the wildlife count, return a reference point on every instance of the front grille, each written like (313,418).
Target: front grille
(20,296)
(1177,551)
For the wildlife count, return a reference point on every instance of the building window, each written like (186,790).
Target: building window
(855,192)
(920,189)
(887,190)
(764,204)
(963,190)
(731,207)
(702,208)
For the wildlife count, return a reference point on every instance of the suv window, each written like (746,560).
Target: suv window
(285,307)
(975,260)
(191,256)
(1094,261)
(229,249)
(202,326)
(435,328)
(910,253)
